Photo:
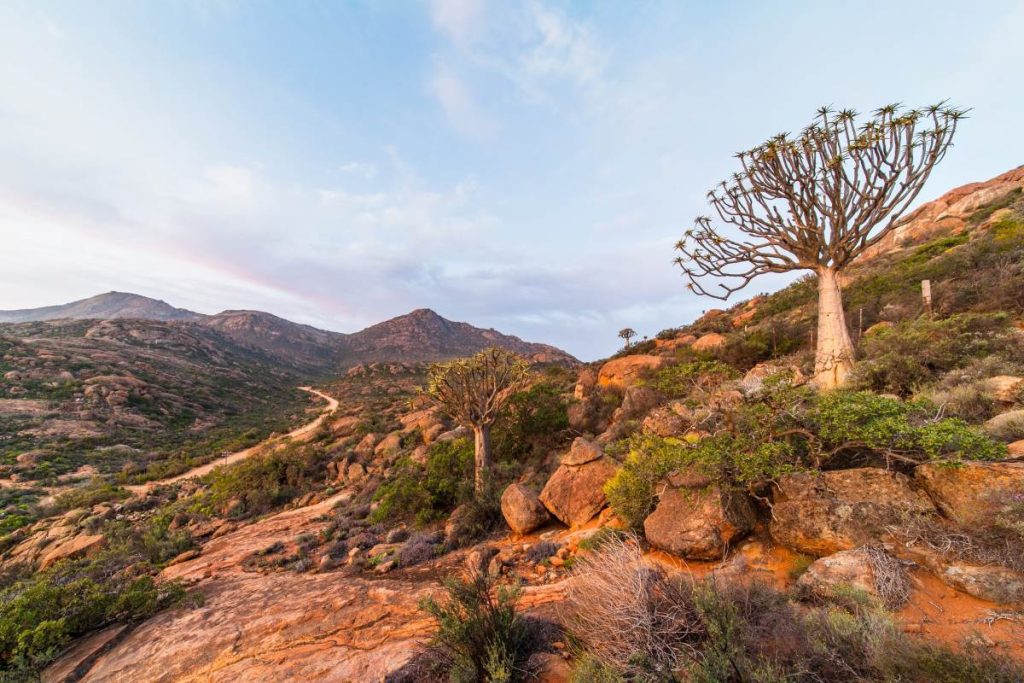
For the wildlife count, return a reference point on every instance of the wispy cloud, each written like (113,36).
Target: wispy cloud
(459,104)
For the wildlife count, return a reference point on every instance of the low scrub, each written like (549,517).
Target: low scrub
(633,622)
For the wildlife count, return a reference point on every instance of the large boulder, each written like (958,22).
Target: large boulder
(709,342)
(522,509)
(585,384)
(622,372)
(965,492)
(846,568)
(1003,388)
(1008,426)
(824,513)
(696,520)
(987,582)
(575,492)
(76,546)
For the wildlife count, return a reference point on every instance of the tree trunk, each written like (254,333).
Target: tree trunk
(482,453)
(833,359)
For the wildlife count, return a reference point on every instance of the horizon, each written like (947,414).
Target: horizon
(525,167)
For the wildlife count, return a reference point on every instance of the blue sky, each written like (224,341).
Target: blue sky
(522,166)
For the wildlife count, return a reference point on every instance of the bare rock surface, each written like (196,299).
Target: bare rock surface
(575,493)
(845,568)
(825,513)
(964,492)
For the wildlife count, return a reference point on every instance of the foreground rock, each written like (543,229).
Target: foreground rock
(698,521)
(627,370)
(575,492)
(821,514)
(847,568)
(522,510)
(966,493)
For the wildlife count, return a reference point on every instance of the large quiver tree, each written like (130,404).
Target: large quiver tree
(473,391)
(817,201)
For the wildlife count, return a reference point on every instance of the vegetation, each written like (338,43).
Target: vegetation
(633,622)
(875,170)
(786,429)
(473,391)
(625,334)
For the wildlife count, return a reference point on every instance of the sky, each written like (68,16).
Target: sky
(523,166)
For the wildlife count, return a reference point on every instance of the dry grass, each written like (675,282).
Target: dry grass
(891,580)
(624,611)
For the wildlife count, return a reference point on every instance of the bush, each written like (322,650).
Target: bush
(480,631)
(40,614)
(787,429)
(913,354)
(427,492)
(533,422)
(267,480)
(98,490)
(683,379)
(634,622)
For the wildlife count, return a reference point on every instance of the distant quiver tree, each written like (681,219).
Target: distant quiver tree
(473,392)
(816,201)
(626,334)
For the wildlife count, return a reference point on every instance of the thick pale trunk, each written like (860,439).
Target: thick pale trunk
(482,438)
(833,359)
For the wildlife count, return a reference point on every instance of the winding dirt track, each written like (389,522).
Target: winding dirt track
(296,433)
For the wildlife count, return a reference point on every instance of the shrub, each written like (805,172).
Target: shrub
(912,354)
(267,480)
(633,622)
(98,490)
(678,381)
(419,548)
(426,492)
(788,429)
(534,422)
(480,631)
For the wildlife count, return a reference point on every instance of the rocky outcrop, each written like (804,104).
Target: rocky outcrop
(1003,388)
(622,372)
(966,492)
(696,520)
(76,546)
(575,492)
(522,509)
(995,584)
(949,214)
(753,381)
(825,513)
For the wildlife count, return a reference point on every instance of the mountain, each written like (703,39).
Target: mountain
(301,346)
(423,335)
(109,306)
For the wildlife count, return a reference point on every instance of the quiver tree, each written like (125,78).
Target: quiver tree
(817,201)
(626,334)
(473,391)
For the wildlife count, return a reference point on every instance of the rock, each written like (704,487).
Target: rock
(845,568)
(185,556)
(1015,449)
(664,421)
(453,434)
(995,584)
(622,372)
(1008,426)
(575,493)
(824,513)
(582,452)
(355,472)
(964,492)
(585,385)
(433,432)
(389,445)
(478,559)
(753,381)
(878,327)
(366,446)
(709,342)
(697,521)
(77,546)
(548,667)
(327,563)
(385,567)
(522,509)
(1003,388)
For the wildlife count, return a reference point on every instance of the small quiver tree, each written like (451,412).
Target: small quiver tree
(626,334)
(817,201)
(473,392)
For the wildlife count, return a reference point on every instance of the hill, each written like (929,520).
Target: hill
(109,306)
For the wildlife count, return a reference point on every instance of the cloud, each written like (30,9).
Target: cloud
(459,20)
(362,169)
(459,105)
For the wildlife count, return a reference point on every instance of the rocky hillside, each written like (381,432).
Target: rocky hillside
(301,346)
(687,510)
(109,306)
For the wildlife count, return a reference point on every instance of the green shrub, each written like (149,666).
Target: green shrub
(788,429)
(40,614)
(429,491)
(480,631)
(98,490)
(677,381)
(912,354)
(534,422)
(259,483)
